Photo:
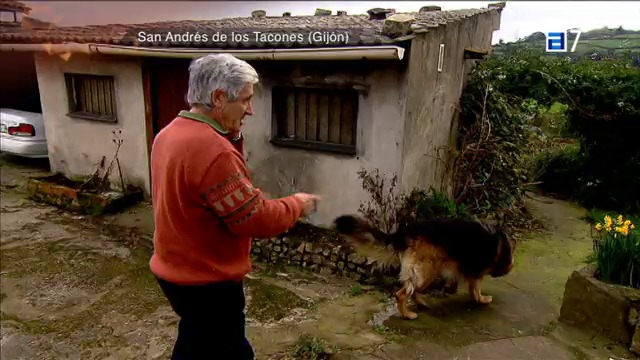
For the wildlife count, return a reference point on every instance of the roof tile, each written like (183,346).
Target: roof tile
(361,30)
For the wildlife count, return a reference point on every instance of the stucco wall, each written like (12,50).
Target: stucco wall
(281,171)
(433,97)
(76,146)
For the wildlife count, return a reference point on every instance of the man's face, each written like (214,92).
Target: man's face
(233,112)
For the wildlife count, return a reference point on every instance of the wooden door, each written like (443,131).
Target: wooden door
(168,84)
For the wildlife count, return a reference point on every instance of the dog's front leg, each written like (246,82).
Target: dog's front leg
(475,290)
(402,298)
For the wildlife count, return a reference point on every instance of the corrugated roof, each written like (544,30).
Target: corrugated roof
(361,30)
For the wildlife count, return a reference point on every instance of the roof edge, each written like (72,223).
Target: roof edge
(384,52)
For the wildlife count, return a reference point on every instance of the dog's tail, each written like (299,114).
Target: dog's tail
(370,242)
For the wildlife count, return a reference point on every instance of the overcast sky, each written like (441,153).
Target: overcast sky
(520,18)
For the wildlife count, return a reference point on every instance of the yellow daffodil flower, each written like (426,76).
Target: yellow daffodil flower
(623,230)
(598,226)
(619,221)
(608,221)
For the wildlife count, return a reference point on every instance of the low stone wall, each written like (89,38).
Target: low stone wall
(325,259)
(325,254)
(610,310)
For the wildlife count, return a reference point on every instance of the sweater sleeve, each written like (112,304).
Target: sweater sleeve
(226,189)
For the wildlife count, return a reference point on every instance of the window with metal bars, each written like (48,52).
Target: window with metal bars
(91,97)
(315,118)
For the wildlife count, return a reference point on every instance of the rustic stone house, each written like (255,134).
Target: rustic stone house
(364,91)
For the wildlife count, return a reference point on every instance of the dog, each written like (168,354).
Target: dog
(454,248)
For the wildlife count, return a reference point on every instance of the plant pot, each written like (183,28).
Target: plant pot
(609,310)
(61,192)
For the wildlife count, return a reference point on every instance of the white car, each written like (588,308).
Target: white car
(22,133)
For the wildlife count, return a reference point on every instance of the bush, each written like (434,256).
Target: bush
(604,113)
(490,169)
(617,252)
(560,170)
(603,99)
(553,120)
(383,208)
(389,209)
(430,204)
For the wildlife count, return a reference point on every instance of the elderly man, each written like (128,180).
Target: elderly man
(207,210)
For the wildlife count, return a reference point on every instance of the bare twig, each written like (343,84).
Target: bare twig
(118,141)
(120,174)
(95,176)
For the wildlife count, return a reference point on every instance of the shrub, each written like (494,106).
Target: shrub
(560,170)
(617,251)
(598,102)
(490,169)
(390,209)
(383,208)
(429,204)
(604,112)
(553,120)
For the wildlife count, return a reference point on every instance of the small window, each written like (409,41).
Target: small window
(315,118)
(91,97)
(8,16)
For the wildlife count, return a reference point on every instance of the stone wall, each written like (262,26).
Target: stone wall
(326,255)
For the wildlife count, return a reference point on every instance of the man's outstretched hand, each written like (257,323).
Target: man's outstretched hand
(310,202)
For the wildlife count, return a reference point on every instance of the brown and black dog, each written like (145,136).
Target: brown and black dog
(462,249)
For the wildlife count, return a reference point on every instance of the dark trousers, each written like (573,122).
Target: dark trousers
(212,322)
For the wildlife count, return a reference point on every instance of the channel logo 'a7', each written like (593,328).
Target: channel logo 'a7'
(557,40)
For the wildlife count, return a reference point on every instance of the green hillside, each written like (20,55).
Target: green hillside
(603,42)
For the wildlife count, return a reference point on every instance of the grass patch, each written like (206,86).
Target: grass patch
(34,327)
(136,294)
(310,348)
(382,329)
(356,290)
(270,302)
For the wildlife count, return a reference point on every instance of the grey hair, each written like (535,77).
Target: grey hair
(218,71)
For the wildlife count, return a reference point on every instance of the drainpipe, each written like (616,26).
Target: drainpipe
(386,52)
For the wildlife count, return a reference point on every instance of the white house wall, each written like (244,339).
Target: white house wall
(281,171)
(76,146)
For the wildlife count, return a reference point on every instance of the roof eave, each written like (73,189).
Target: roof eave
(382,52)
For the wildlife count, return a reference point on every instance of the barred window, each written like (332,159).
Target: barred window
(315,118)
(91,97)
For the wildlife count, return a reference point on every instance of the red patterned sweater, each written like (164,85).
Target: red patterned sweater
(205,207)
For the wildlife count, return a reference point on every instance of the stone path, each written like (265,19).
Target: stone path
(78,287)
